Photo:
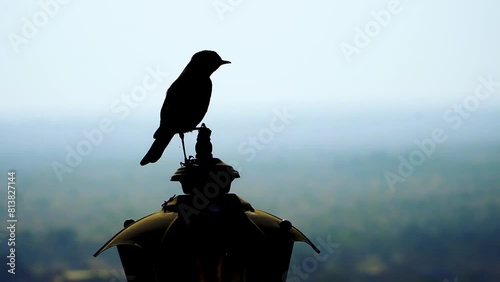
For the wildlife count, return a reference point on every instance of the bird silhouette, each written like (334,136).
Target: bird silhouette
(186,102)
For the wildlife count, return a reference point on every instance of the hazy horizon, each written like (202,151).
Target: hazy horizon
(370,124)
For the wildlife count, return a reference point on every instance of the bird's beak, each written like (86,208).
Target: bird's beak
(224,62)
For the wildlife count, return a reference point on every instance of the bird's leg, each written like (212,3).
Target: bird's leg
(181,135)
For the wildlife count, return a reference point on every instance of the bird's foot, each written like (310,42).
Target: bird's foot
(203,126)
(189,161)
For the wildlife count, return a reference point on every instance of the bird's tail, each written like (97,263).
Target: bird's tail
(157,149)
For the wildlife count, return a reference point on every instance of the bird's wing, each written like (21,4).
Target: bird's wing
(186,103)
(174,92)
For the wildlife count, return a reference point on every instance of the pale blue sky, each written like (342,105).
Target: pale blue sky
(89,53)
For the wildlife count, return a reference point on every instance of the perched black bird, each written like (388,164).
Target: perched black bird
(186,102)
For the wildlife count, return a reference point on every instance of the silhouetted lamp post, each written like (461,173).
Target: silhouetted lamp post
(208,234)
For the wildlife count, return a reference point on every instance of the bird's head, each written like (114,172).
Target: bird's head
(207,61)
